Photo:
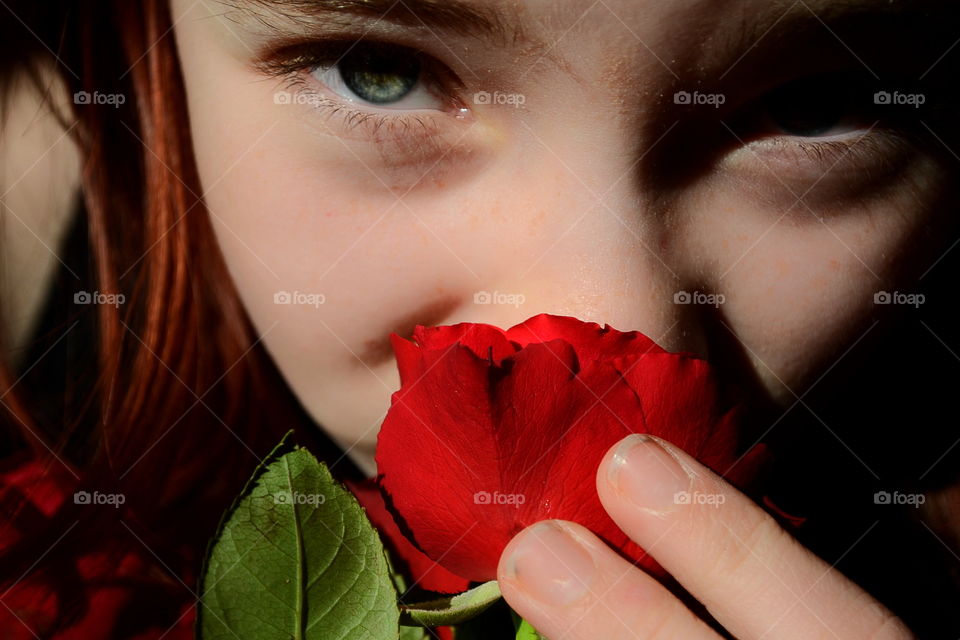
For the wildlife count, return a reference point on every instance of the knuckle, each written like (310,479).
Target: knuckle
(738,545)
(656,622)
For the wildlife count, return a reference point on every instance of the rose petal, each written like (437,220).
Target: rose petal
(591,341)
(424,572)
(484,340)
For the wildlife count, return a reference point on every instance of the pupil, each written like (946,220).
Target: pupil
(380,76)
(809,108)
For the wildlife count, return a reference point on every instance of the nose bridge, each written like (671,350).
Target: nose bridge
(598,255)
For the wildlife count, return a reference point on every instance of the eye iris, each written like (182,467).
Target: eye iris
(380,77)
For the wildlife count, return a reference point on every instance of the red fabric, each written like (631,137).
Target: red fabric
(30,607)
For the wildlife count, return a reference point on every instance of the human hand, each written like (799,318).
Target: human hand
(752,576)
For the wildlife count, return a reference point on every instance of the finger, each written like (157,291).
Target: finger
(568,584)
(756,579)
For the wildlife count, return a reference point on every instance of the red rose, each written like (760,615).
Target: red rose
(494,430)
(421,570)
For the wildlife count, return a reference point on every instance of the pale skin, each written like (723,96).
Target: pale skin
(583,190)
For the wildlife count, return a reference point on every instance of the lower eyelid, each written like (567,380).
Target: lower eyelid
(350,122)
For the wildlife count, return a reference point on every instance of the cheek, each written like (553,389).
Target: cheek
(799,291)
(328,267)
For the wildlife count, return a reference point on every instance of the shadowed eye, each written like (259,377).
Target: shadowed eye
(815,107)
(829,130)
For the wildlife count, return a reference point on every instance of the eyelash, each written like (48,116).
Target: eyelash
(870,151)
(294,64)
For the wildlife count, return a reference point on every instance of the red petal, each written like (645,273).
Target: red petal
(591,341)
(692,413)
(438,435)
(409,359)
(484,340)
(681,400)
(423,571)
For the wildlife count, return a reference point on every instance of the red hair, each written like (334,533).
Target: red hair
(185,401)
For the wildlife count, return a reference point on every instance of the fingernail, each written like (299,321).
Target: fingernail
(551,564)
(648,475)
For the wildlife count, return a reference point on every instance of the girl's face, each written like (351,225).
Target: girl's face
(716,174)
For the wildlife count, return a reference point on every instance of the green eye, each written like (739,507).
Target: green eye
(380,75)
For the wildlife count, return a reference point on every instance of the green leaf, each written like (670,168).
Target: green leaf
(400,584)
(297,559)
(452,610)
(526,632)
(415,633)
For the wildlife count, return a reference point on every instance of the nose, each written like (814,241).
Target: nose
(606,262)
(632,303)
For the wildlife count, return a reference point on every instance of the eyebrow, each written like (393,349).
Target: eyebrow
(453,16)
